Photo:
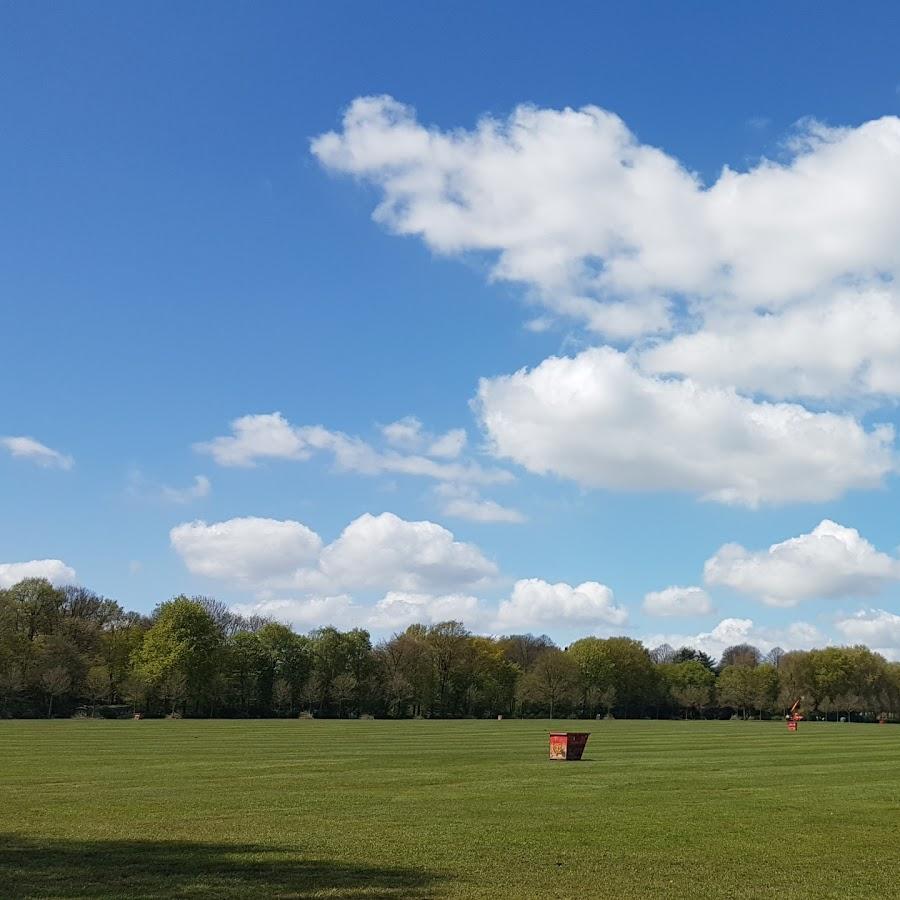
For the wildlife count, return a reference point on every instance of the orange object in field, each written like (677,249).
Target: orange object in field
(792,724)
(567,745)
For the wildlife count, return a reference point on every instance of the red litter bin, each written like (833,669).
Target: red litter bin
(792,724)
(567,745)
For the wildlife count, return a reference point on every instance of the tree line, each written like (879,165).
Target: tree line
(68,651)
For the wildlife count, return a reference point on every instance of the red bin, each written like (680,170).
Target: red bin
(567,745)
(792,724)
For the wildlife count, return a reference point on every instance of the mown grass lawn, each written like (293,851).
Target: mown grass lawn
(447,809)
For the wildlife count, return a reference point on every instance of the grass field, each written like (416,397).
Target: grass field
(447,809)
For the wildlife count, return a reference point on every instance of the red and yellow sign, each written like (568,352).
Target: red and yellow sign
(567,745)
(558,746)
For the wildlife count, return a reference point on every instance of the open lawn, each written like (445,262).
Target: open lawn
(447,809)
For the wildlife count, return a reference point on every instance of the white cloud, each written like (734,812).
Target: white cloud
(248,551)
(355,455)
(399,609)
(36,452)
(405,434)
(832,561)
(839,345)
(388,552)
(785,276)
(448,445)
(876,628)
(54,570)
(395,611)
(381,552)
(677,601)
(797,636)
(408,434)
(597,420)
(199,489)
(606,228)
(535,604)
(268,436)
(310,612)
(463,502)
(271,436)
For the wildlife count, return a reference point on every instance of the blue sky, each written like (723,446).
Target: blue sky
(699,365)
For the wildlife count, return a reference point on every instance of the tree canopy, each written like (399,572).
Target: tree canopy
(67,651)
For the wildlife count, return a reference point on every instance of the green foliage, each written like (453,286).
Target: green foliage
(741,655)
(690,684)
(180,653)
(595,671)
(633,677)
(552,682)
(66,649)
(688,654)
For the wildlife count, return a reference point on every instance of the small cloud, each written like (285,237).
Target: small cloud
(135,567)
(54,570)
(539,325)
(463,502)
(149,491)
(268,436)
(678,601)
(28,448)
(536,604)
(758,123)
(199,489)
(448,445)
(424,455)
(408,434)
(405,433)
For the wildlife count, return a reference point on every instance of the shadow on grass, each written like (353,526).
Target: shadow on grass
(32,867)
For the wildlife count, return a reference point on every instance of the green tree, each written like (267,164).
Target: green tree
(796,681)
(451,661)
(96,685)
(494,678)
(524,649)
(180,653)
(691,684)
(689,654)
(866,672)
(831,674)
(282,697)
(745,655)
(246,663)
(55,681)
(735,688)
(595,671)
(552,681)
(633,674)
(405,671)
(119,641)
(764,687)
(287,660)
(332,652)
(343,691)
